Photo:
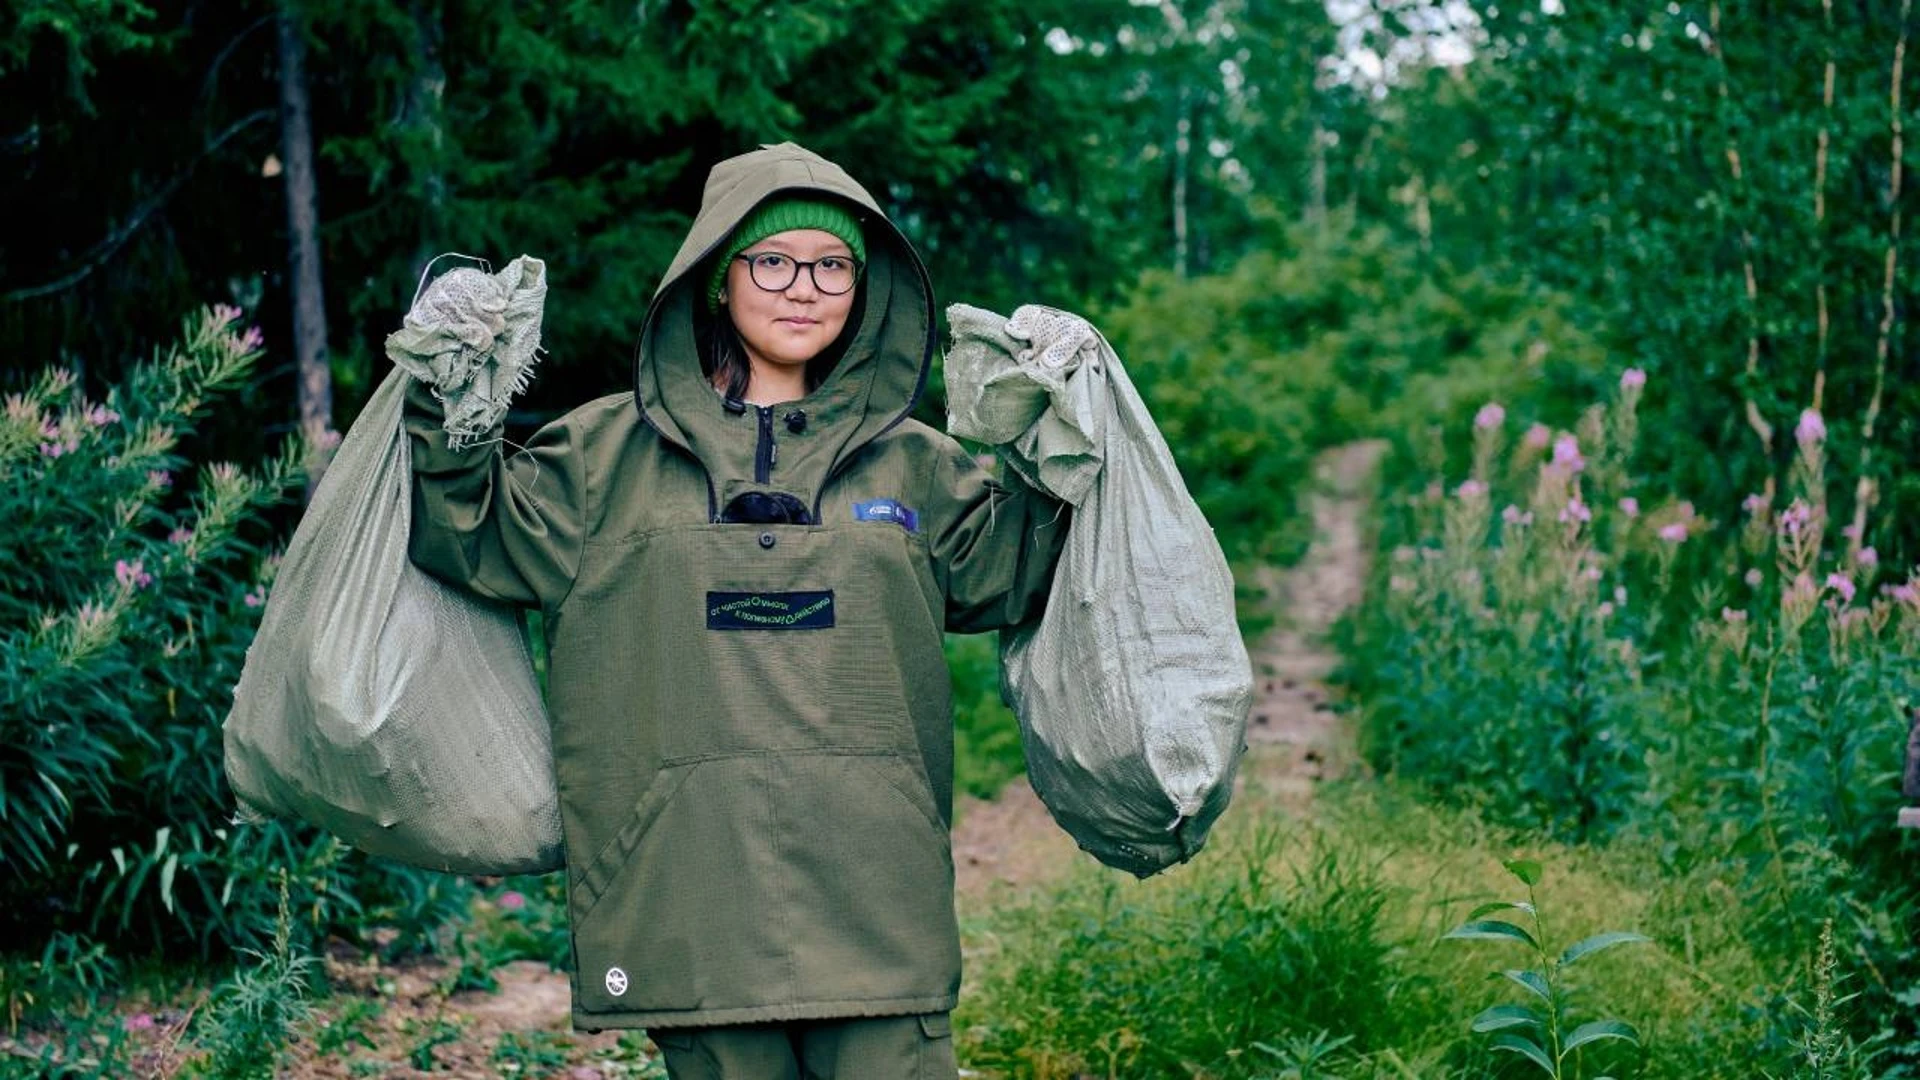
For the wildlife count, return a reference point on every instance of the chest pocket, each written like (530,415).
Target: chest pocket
(781,638)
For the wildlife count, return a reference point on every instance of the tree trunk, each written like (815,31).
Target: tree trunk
(425,93)
(314,395)
(1182,150)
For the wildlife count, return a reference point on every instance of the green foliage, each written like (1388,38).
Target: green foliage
(251,1019)
(1338,966)
(121,637)
(987,750)
(532,1054)
(1327,335)
(1199,978)
(523,918)
(1716,182)
(1824,1049)
(1541,1030)
(1584,661)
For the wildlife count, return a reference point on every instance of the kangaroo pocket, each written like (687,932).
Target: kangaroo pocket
(768,880)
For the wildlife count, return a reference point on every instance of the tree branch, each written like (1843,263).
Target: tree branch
(97,256)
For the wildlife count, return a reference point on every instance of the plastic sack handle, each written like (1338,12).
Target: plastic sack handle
(427,270)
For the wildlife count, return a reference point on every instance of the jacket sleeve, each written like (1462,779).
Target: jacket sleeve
(995,547)
(505,528)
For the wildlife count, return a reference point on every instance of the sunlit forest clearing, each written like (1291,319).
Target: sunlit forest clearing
(1544,370)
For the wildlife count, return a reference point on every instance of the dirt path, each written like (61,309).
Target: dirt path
(1294,738)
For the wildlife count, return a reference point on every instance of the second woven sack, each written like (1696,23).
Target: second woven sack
(1133,688)
(394,711)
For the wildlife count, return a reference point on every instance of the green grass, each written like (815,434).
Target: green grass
(1294,948)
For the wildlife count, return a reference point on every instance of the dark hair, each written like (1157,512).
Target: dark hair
(723,356)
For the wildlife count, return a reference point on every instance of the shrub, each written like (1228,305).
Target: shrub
(137,583)
(1570,650)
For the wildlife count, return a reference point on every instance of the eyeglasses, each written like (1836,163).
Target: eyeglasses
(774,272)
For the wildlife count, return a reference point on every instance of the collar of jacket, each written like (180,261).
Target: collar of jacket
(874,386)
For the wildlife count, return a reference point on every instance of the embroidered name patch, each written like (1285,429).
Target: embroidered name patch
(887,510)
(770,610)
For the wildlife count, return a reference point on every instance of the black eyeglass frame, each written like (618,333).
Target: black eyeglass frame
(798,265)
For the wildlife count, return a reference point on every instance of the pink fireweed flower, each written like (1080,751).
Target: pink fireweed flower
(1905,593)
(1471,490)
(1674,533)
(1851,531)
(49,430)
(131,574)
(1633,379)
(1794,518)
(101,416)
(180,536)
(1630,506)
(1513,515)
(1754,504)
(1843,585)
(512,901)
(1575,511)
(138,1022)
(225,313)
(1591,573)
(1566,454)
(1866,556)
(249,341)
(1490,416)
(223,471)
(1537,437)
(1754,577)
(328,440)
(1811,430)
(1733,615)
(160,478)
(257,597)
(1605,610)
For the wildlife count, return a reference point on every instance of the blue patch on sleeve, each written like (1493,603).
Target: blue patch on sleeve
(887,510)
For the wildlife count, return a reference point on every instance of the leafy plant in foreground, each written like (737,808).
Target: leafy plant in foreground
(1541,1030)
(253,1015)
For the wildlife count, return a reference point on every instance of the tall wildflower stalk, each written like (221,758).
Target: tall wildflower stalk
(1864,486)
(1755,418)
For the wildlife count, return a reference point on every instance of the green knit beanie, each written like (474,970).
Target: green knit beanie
(777,215)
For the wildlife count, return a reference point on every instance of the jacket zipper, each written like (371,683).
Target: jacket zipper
(765,453)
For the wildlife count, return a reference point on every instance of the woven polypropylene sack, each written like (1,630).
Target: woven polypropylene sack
(1132,689)
(396,712)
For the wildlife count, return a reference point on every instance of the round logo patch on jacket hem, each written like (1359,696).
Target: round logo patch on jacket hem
(616,982)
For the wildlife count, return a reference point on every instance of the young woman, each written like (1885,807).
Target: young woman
(746,565)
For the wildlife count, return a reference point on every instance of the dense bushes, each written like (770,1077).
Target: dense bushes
(1579,652)
(1332,334)
(136,585)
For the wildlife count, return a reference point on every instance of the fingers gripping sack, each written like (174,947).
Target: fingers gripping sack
(394,711)
(1132,712)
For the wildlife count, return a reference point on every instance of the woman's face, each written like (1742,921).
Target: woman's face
(795,324)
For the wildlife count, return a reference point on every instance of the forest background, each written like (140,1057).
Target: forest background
(1302,223)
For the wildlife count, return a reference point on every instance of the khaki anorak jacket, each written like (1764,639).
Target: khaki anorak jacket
(751,723)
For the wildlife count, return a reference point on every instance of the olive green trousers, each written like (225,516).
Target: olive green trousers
(862,1048)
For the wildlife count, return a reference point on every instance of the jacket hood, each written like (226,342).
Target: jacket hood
(889,338)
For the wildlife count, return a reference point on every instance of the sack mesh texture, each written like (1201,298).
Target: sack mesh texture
(1132,689)
(396,712)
